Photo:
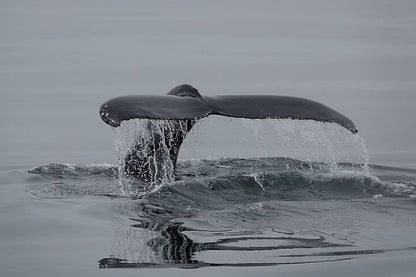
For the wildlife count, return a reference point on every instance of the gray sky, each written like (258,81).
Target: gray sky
(59,60)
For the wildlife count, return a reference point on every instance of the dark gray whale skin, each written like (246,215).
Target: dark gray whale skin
(184,104)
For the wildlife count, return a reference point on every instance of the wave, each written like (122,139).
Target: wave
(243,180)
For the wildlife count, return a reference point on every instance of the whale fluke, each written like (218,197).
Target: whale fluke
(185,104)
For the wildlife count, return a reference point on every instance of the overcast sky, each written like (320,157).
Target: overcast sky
(59,60)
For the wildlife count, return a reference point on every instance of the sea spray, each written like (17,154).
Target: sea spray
(148,144)
(306,140)
(361,147)
(310,141)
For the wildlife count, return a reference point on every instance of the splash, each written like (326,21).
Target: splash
(305,140)
(147,151)
(310,141)
(322,141)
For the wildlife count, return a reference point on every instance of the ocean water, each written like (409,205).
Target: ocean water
(250,197)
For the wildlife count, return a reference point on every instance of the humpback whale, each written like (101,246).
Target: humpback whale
(184,105)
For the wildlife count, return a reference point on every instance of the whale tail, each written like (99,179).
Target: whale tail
(184,105)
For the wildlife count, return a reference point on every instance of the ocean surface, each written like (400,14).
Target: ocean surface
(232,213)
(249,197)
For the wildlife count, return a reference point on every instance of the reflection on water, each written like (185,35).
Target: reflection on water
(248,212)
(173,246)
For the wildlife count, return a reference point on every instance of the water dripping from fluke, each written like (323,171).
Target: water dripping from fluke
(309,141)
(148,149)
